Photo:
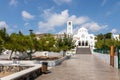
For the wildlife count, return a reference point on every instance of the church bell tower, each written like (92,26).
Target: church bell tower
(69,28)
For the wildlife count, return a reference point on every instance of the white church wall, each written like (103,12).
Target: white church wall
(82,37)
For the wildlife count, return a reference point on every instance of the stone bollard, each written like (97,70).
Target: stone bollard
(44,67)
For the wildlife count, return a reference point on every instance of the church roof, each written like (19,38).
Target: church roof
(82,29)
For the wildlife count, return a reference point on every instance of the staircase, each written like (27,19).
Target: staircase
(83,51)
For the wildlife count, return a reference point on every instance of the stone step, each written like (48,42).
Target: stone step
(83,51)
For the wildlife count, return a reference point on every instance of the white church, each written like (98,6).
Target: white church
(82,38)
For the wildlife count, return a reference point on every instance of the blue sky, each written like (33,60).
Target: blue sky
(50,16)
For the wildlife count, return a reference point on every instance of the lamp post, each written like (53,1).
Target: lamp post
(104,44)
(31,44)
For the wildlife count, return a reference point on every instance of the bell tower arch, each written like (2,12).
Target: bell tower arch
(69,28)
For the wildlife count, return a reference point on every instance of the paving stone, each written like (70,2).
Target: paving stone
(82,67)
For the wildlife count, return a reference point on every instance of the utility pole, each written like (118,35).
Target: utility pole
(31,44)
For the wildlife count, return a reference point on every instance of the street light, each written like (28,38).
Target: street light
(104,45)
(31,44)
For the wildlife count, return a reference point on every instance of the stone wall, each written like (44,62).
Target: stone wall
(27,74)
(106,58)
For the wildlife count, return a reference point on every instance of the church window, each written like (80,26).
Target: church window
(91,37)
(69,23)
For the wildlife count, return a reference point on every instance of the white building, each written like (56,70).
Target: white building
(82,38)
(69,28)
(116,37)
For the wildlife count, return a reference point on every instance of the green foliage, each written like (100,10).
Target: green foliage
(104,41)
(100,37)
(65,43)
(47,42)
(24,43)
(4,37)
(104,36)
(108,35)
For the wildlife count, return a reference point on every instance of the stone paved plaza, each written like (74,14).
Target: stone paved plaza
(82,67)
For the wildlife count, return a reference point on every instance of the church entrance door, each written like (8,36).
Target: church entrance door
(79,43)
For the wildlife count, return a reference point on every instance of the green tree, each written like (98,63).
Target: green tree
(100,37)
(105,41)
(4,37)
(108,35)
(17,42)
(47,42)
(65,43)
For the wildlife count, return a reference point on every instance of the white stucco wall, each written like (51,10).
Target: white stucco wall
(83,36)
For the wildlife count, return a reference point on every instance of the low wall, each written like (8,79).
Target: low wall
(35,62)
(56,62)
(30,73)
(53,62)
(106,58)
(27,74)
(22,62)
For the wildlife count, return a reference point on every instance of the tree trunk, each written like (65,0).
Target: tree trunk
(64,53)
(10,57)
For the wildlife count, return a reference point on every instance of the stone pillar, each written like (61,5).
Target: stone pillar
(112,56)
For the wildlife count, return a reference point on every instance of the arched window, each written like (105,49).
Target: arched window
(69,23)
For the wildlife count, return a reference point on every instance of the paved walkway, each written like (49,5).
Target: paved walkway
(82,67)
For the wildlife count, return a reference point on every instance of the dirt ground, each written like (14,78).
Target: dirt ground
(3,74)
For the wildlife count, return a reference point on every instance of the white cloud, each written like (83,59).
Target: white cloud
(103,2)
(55,20)
(3,24)
(91,26)
(75,30)
(114,31)
(62,31)
(27,16)
(108,13)
(26,24)
(12,28)
(94,26)
(78,20)
(47,12)
(9,28)
(13,2)
(59,2)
